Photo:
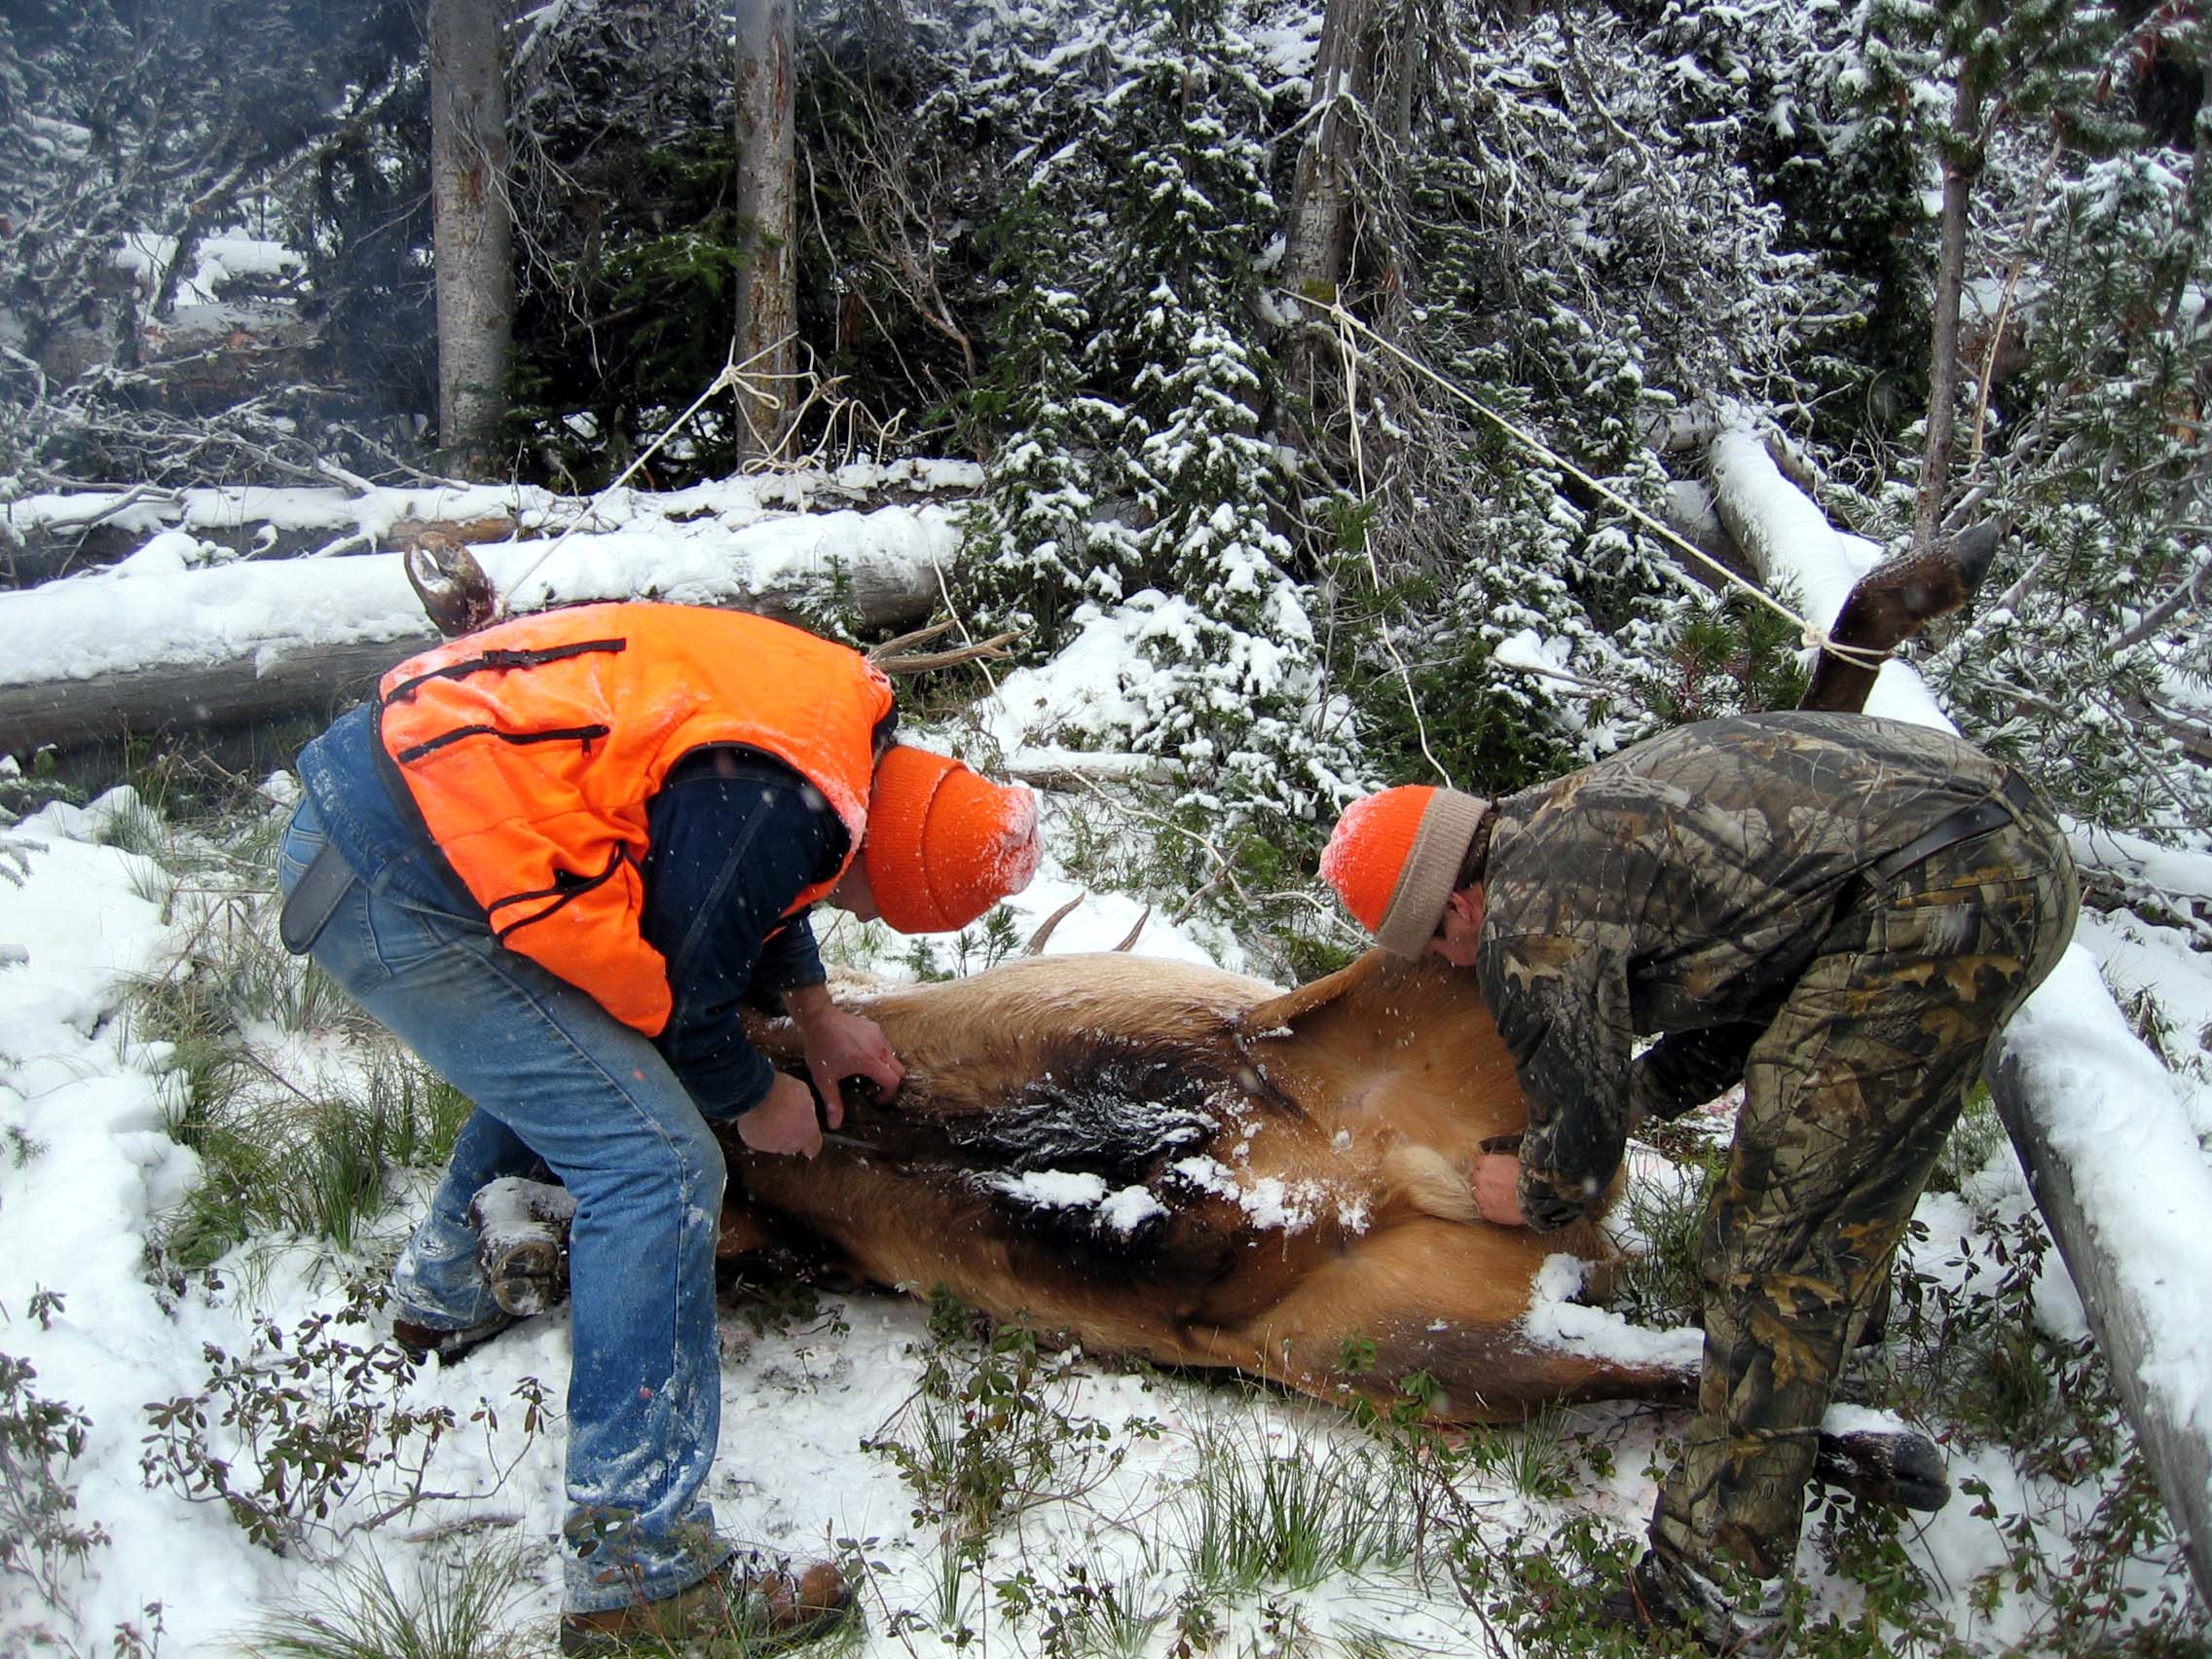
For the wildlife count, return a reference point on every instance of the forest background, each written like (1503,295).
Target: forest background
(1369,371)
(1946,256)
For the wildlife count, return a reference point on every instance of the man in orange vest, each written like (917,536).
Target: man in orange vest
(553,858)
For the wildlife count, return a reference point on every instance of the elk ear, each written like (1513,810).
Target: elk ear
(1278,1016)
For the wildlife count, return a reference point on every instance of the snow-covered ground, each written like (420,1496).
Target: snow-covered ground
(87,1169)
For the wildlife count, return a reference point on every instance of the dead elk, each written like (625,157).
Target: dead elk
(1173,1161)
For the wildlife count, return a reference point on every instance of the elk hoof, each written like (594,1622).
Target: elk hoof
(1975,549)
(522,1242)
(1893,1466)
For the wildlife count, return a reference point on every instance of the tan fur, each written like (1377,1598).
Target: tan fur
(1429,1184)
(1307,1196)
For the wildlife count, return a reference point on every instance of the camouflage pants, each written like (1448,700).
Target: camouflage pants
(1848,1097)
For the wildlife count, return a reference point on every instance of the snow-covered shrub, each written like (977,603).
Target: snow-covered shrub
(1594,283)
(42,1537)
(288,1435)
(2090,661)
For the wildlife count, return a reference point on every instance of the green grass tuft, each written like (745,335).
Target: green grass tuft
(1270,1506)
(464,1608)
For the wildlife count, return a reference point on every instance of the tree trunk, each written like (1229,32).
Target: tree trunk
(767,305)
(1320,206)
(1962,165)
(473,228)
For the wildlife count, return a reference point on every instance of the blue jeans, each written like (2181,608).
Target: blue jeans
(556,1078)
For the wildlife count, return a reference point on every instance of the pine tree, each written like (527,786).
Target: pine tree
(1034,546)
(1237,696)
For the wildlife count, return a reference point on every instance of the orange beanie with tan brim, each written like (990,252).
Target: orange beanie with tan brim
(943,845)
(1394,858)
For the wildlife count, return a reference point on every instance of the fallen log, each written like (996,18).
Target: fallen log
(218,648)
(1782,532)
(2134,1257)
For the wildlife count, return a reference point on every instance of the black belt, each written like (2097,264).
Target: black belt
(308,906)
(2002,808)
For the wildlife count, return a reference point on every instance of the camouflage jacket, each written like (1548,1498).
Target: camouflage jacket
(1682,887)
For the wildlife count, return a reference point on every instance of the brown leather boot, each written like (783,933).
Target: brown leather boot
(746,1603)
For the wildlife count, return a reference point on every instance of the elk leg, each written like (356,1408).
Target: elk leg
(522,1242)
(1890,605)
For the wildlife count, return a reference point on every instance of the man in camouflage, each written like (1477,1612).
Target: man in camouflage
(1840,911)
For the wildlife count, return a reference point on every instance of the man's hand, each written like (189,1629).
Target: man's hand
(1497,1187)
(841,1045)
(784,1121)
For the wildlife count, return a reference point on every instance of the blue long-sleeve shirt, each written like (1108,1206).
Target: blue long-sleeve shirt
(734,837)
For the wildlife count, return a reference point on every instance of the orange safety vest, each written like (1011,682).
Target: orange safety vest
(533,747)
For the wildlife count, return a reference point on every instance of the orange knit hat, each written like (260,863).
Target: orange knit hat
(943,845)
(1394,858)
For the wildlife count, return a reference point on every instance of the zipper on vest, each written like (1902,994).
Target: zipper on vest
(502,660)
(586,735)
(567,886)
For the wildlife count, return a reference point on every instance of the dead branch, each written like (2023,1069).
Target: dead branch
(992,650)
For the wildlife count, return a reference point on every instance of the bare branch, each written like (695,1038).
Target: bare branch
(992,650)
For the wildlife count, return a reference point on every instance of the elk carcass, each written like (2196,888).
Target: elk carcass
(1177,1162)
(1159,1159)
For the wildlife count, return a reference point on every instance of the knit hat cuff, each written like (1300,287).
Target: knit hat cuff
(1430,872)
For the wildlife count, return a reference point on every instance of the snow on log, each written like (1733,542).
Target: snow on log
(2089,1108)
(159,641)
(2117,1172)
(1781,531)
(2159,884)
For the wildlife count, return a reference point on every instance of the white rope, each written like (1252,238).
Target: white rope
(1366,546)
(1813,636)
(732,375)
